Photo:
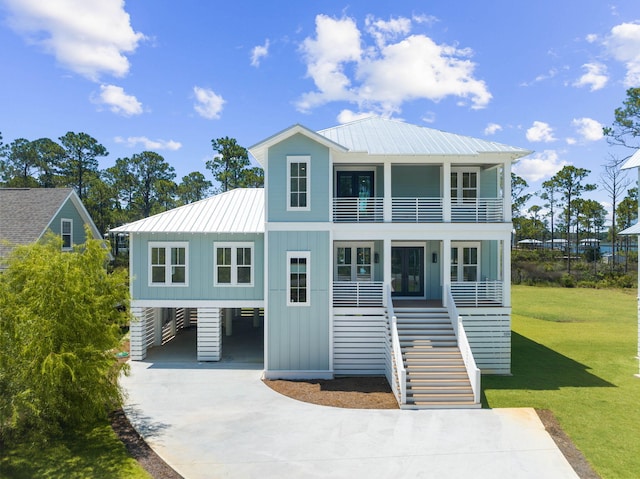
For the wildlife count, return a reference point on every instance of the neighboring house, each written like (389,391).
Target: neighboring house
(26,214)
(631,163)
(368,243)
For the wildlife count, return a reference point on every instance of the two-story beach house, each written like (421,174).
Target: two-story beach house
(376,248)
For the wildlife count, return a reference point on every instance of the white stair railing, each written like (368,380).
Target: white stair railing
(398,363)
(473,372)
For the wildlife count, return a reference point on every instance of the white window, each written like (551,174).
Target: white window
(169,264)
(465,262)
(353,262)
(464,184)
(298,271)
(66,232)
(233,264)
(298,183)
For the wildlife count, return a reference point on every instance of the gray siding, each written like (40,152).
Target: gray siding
(298,336)
(200,275)
(277,180)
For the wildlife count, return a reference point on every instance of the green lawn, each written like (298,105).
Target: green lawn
(96,455)
(573,352)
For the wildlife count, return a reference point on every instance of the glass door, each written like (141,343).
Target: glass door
(407,271)
(353,262)
(465,262)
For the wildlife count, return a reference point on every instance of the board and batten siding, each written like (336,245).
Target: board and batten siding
(200,272)
(298,145)
(69,212)
(298,336)
(489,334)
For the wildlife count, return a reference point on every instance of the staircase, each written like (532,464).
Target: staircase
(436,374)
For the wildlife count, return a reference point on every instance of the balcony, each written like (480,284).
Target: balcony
(418,210)
(468,294)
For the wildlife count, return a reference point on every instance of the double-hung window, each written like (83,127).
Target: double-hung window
(298,183)
(298,269)
(464,184)
(233,264)
(66,232)
(465,262)
(169,264)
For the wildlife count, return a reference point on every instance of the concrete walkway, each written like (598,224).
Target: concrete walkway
(218,420)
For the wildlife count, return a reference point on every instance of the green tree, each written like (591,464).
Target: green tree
(80,162)
(252,177)
(50,156)
(614,182)
(229,163)
(21,164)
(626,124)
(60,319)
(518,198)
(121,178)
(550,194)
(569,183)
(627,214)
(102,204)
(151,172)
(194,187)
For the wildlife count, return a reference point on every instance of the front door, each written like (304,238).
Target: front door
(407,271)
(354,184)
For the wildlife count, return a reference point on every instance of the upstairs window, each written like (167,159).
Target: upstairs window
(66,231)
(298,267)
(233,264)
(298,183)
(168,265)
(464,184)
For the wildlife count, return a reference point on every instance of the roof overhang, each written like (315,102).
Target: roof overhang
(259,150)
(631,230)
(632,162)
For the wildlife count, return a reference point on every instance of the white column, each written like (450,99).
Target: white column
(386,267)
(388,207)
(506,271)
(209,334)
(446,187)
(158,319)
(506,201)
(446,269)
(137,330)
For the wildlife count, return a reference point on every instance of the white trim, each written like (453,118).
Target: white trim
(305,159)
(198,303)
(459,188)
(300,255)
(234,266)
(461,245)
(167,245)
(353,265)
(68,221)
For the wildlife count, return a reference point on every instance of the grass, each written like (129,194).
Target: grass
(97,454)
(573,352)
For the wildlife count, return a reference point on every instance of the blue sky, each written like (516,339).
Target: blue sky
(171,76)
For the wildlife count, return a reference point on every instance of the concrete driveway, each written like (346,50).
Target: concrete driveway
(218,420)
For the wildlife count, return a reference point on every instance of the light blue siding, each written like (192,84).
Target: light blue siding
(489,260)
(69,212)
(433,282)
(415,181)
(200,273)
(298,336)
(489,183)
(277,180)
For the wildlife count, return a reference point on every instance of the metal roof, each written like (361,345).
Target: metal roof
(236,211)
(380,136)
(632,162)
(631,230)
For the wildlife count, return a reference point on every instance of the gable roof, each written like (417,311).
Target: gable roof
(236,211)
(26,214)
(380,136)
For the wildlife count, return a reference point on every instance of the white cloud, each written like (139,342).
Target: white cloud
(492,129)
(596,76)
(89,37)
(395,68)
(540,131)
(591,38)
(119,102)
(258,53)
(588,128)
(208,103)
(624,44)
(347,116)
(542,165)
(148,144)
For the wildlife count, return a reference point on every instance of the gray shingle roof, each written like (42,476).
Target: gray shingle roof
(25,213)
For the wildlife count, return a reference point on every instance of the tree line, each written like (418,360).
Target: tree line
(135,187)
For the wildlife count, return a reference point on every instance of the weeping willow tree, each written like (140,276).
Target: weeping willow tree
(60,322)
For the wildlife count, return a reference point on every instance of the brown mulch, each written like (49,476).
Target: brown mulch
(352,392)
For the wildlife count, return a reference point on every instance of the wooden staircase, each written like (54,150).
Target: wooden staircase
(436,374)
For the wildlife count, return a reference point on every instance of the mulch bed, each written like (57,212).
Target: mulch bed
(361,393)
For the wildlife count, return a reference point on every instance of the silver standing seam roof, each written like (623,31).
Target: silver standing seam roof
(632,162)
(236,211)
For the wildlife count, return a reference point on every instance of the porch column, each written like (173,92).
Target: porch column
(446,186)
(386,267)
(446,270)
(228,321)
(388,206)
(209,334)
(137,334)
(506,188)
(506,271)
(158,319)
(256,317)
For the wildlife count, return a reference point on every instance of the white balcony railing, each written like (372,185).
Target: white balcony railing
(416,210)
(358,210)
(477,210)
(475,294)
(355,294)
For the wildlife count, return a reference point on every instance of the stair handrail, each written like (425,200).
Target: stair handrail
(473,372)
(397,350)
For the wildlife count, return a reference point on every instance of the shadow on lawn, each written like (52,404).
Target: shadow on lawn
(535,366)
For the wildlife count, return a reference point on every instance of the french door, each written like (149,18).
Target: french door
(465,262)
(354,262)
(407,271)
(354,184)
